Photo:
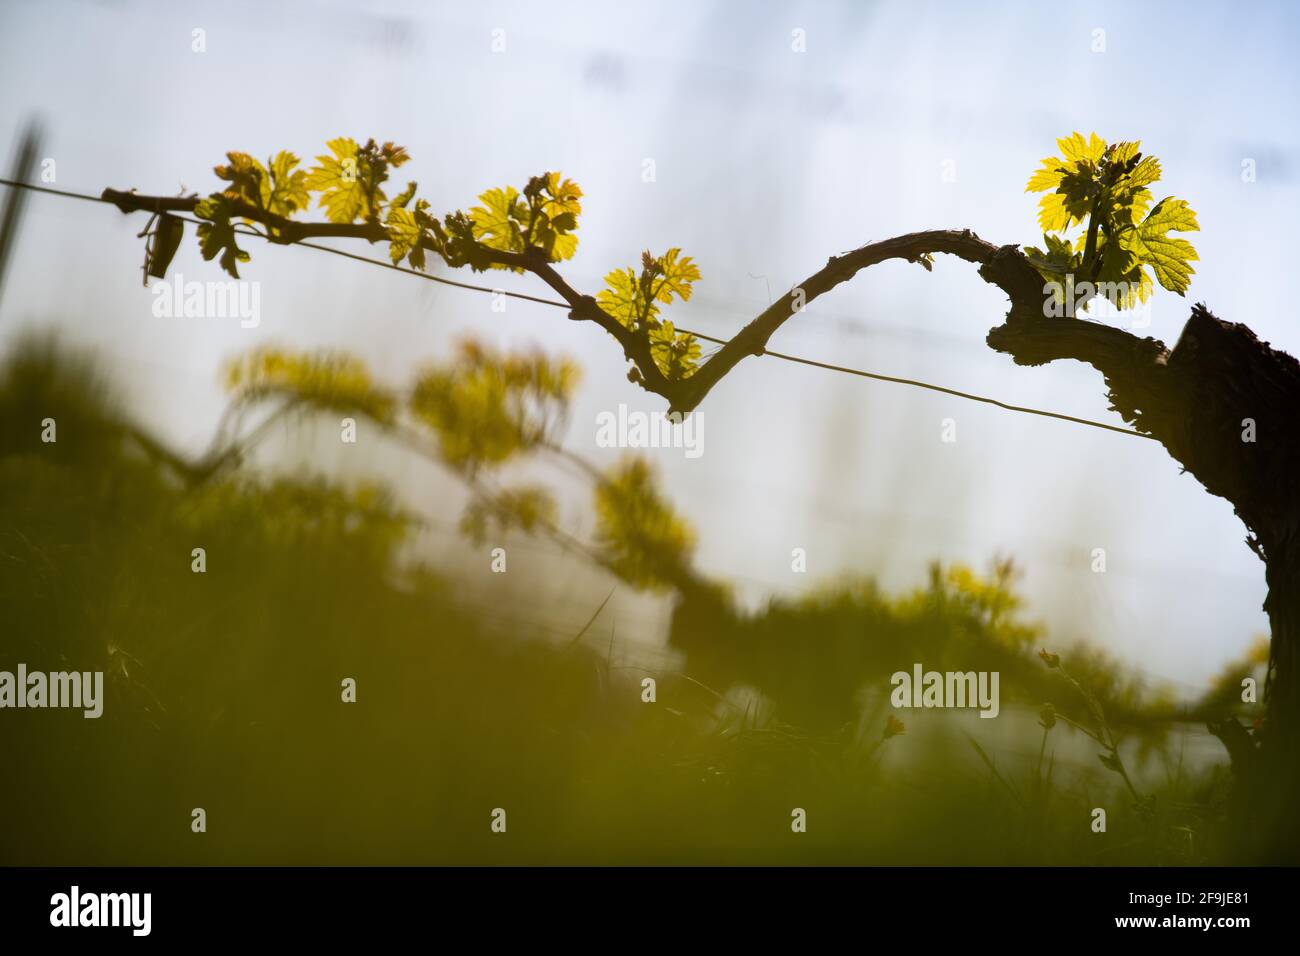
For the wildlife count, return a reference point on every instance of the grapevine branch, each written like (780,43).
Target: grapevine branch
(1192,399)
(288,231)
(769,353)
(1005,266)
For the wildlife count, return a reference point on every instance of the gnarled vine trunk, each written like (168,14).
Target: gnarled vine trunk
(1227,407)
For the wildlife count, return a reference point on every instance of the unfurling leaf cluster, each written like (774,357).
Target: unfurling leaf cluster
(1104,189)
(510,229)
(634,300)
(349,184)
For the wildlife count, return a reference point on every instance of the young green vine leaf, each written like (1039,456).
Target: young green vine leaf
(1104,187)
(278,187)
(217,233)
(541,221)
(634,301)
(351,180)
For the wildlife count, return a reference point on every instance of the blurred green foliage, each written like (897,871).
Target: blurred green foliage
(223,688)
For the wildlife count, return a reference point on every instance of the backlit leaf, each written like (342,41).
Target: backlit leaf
(339,181)
(1169,257)
(676,353)
(679,273)
(406,231)
(217,234)
(1048,177)
(623,299)
(1105,188)
(246,177)
(498,223)
(562,197)
(1074,147)
(286,191)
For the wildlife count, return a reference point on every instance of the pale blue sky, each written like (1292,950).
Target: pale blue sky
(767,162)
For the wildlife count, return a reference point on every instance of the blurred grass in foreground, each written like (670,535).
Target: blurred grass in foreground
(223,692)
